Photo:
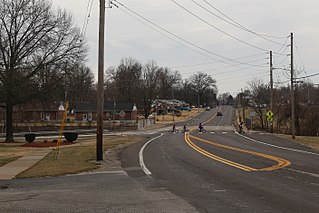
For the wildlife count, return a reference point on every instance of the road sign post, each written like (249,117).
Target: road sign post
(270,119)
(252,115)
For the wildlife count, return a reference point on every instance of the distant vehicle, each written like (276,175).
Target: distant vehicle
(207,108)
(185,108)
(219,113)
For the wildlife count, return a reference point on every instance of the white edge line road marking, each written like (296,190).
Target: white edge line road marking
(140,154)
(279,147)
(303,172)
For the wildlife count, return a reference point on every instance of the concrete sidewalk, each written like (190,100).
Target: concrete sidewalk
(10,170)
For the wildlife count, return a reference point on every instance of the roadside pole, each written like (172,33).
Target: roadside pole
(271,93)
(100,90)
(292,89)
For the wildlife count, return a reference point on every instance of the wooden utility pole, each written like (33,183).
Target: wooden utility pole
(271,92)
(100,89)
(292,90)
(173,105)
(243,105)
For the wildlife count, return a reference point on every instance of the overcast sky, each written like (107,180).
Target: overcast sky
(230,55)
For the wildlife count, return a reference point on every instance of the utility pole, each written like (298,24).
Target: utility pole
(198,101)
(292,90)
(271,92)
(243,105)
(100,89)
(173,105)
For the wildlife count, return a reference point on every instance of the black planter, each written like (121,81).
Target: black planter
(29,137)
(70,136)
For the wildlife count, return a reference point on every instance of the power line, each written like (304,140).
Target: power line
(235,24)
(193,14)
(241,68)
(299,53)
(282,60)
(176,36)
(308,76)
(243,27)
(203,54)
(88,16)
(207,63)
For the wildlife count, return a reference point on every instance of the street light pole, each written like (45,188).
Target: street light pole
(100,89)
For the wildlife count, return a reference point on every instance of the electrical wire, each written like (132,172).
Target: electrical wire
(308,76)
(200,64)
(281,62)
(198,17)
(88,16)
(302,64)
(242,68)
(193,49)
(284,45)
(270,36)
(178,37)
(234,24)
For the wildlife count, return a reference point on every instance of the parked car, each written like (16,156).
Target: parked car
(207,108)
(184,108)
(219,113)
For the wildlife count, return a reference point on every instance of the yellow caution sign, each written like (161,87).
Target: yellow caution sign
(269,114)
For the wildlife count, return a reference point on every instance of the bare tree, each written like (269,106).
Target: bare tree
(36,45)
(79,85)
(149,85)
(203,84)
(186,93)
(260,99)
(166,79)
(126,78)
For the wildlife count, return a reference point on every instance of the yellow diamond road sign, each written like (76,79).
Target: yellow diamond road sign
(269,114)
(270,119)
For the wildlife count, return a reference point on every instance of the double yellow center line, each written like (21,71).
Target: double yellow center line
(281,163)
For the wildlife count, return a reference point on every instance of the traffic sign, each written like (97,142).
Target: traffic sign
(122,114)
(269,114)
(252,114)
(270,119)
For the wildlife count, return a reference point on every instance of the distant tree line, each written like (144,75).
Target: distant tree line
(257,96)
(143,83)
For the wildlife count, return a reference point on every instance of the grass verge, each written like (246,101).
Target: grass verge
(312,142)
(12,151)
(186,115)
(77,158)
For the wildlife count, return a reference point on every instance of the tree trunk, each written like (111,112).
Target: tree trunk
(9,123)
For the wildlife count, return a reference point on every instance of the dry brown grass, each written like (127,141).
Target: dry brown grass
(12,151)
(186,115)
(76,158)
(312,142)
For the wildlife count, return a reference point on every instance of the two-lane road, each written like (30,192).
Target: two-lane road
(222,171)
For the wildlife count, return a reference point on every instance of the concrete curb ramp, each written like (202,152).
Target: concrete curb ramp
(10,170)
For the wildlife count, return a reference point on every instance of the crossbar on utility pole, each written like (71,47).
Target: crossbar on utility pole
(100,90)
(271,92)
(292,90)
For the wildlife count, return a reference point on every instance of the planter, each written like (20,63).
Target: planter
(29,137)
(70,136)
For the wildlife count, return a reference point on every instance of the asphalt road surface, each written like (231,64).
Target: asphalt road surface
(223,171)
(215,171)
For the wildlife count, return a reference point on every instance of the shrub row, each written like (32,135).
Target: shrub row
(69,136)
